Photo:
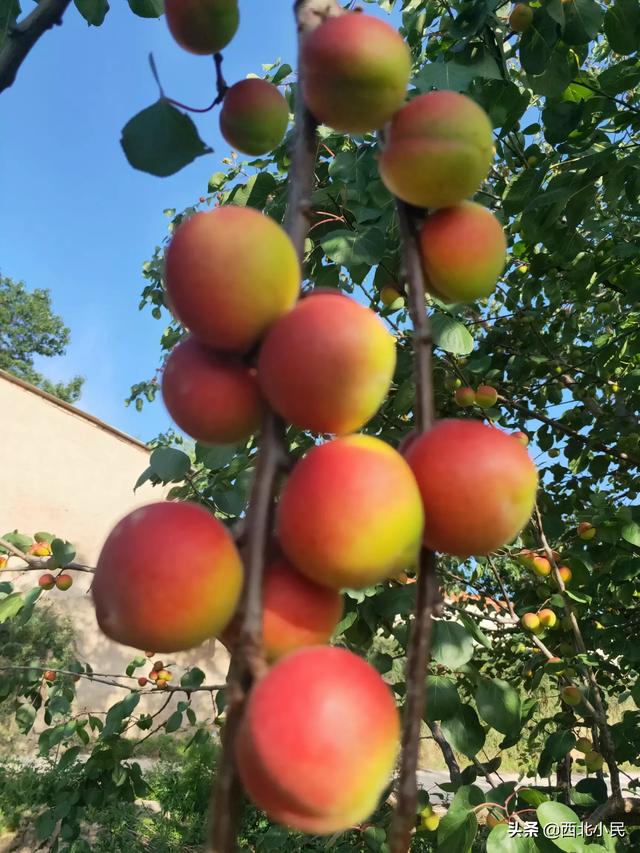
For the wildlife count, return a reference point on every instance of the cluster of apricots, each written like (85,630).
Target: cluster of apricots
(484,396)
(541,566)
(159,676)
(61,581)
(354,511)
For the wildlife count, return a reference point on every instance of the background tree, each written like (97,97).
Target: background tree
(29,328)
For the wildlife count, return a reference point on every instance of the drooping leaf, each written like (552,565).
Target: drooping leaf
(442,699)
(499,705)
(93,11)
(452,644)
(464,732)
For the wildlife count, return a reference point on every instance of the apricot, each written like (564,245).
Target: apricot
(40,549)
(547,618)
(214,399)
(64,582)
(168,577)
(522,437)
(566,574)
(350,514)
(478,486)
(429,820)
(586,530)
(530,622)
(230,272)
(142,681)
(593,761)
(463,251)
(465,396)
(297,612)
(355,71)
(50,675)
(521,18)
(486,396)
(46,581)
(318,740)
(391,298)
(327,365)
(541,566)
(254,116)
(438,151)
(202,26)
(571,695)
(584,745)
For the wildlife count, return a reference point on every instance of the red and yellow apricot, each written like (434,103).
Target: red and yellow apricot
(478,486)
(463,251)
(168,577)
(571,695)
(64,582)
(142,681)
(521,18)
(214,399)
(586,530)
(46,581)
(350,514)
(530,622)
(319,715)
(486,396)
(391,297)
(438,151)
(547,617)
(40,549)
(541,566)
(566,574)
(327,365)
(230,272)
(50,675)
(254,116)
(297,612)
(465,396)
(355,71)
(202,26)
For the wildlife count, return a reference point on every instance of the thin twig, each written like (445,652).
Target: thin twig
(39,564)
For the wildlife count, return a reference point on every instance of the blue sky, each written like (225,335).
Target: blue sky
(75,217)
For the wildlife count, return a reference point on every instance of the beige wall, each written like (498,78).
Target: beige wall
(72,475)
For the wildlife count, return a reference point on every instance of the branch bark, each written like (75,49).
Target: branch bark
(23,37)
(427,590)
(447,753)
(39,564)
(247,661)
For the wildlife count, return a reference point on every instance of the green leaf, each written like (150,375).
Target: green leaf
(557,814)
(63,553)
(589,793)
(499,841)
(25,717)
(147,8)
(499,705)
(464,732)
(174,722)
(118,713)
(9,11)
(442,698)
(42,536)
(631,534)
(583,19)
(68,758)
(556,747)
(450,335)
(453,75)
(622,26)
(350,248)
(10,605)
(452,645)
(459,826)
(170,465)
(255,192)
(161,140)
(192,678)
(93,11)
(538,42)
(215,457)
(45,824)
(474,629)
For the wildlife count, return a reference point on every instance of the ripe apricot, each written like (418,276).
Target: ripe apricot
(571,695)
(168,577)
(230,272)
(486,396)
(297,612)
(586,530)
(318,740)
(327,365)
(521,18)
(566,574)
(350,514)
(46,581)
(438,151)
(64,581)
(214,399)
(465,396)
(463,251)
(530,622)
(355,71)
(478,486)
(202,26)
(541,566)
(254,116)
(547,617)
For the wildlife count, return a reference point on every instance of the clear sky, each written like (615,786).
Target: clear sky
(75,217)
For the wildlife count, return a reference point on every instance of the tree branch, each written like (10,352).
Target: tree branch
(447,753)
(39,564)
(23,37)
(427,591)
(247,661)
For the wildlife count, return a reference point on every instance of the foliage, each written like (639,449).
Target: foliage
(29,328)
